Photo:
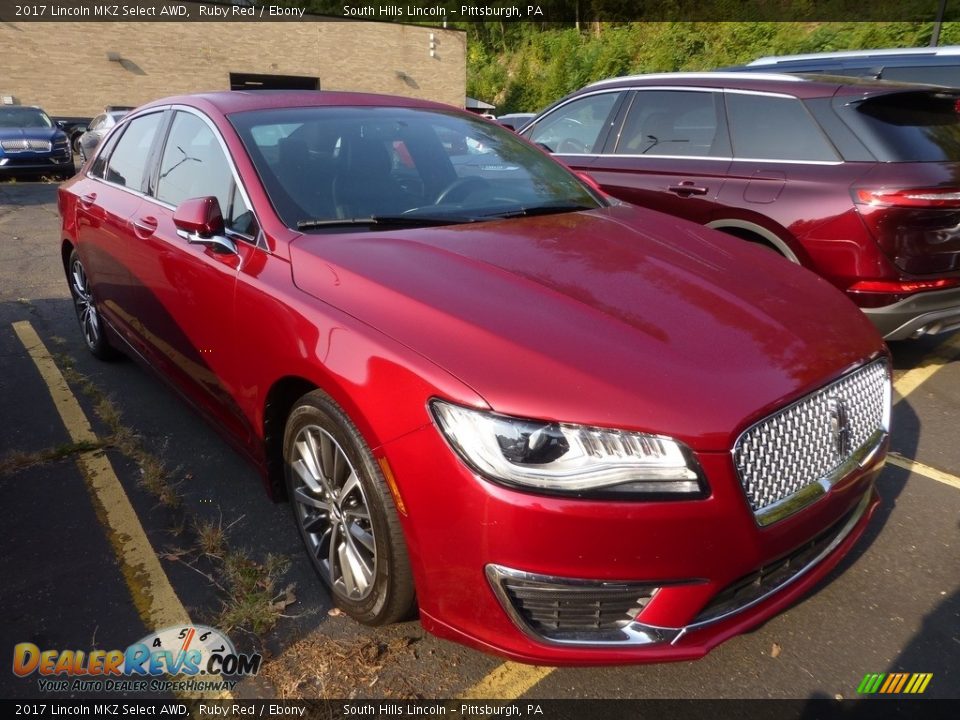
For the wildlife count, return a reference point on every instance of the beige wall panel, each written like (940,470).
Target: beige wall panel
(63,67)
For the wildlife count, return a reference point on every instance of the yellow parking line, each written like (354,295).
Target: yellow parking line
(507,682)
(154,596)
(914,377)
(925,470)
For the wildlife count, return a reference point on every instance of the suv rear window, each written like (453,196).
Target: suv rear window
(908,126)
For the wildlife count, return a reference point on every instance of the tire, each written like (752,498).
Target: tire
(345,513)
(91,327)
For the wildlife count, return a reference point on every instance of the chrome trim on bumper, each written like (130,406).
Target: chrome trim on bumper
(817,489)
(633,633)
(640,634)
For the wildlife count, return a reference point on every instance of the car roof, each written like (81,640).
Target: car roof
(232,101)
(944,51)
(798,85)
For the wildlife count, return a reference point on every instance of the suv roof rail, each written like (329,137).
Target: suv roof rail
(701,76)
(944,51)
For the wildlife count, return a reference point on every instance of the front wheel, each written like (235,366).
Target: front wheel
(86,309)
(345,513)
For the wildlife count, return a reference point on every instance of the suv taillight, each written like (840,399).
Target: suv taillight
(908,197)
(877,293)
(917,228)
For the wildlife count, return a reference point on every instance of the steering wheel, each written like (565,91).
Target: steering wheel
(571,146)
(461,188)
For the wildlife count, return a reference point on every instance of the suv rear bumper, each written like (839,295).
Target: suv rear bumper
(927,313)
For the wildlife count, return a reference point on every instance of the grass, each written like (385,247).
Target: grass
(17,461)
(253,601)
(321,667)
(252,595)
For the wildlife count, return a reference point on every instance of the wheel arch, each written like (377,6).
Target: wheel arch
(279,401)
(752,232)
(66,247)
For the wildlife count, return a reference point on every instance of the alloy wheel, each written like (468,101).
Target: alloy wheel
(83,302)
(332,510)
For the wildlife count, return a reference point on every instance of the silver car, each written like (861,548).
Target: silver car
(97,128)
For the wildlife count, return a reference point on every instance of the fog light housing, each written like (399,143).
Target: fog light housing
(571,611)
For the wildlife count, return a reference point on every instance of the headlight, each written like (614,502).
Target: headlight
(559,457)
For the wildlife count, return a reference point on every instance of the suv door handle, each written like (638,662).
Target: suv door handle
(687,188)
(146,226)
(88,200)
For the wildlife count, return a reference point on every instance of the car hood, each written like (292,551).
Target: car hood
(30,133)
(617,317)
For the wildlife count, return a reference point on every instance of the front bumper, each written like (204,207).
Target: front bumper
(926,313)
(36,164)
(697,553)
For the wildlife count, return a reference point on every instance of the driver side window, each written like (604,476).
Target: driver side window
(575,128)
(194,165)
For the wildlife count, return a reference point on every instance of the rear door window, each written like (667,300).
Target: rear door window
(128,163)
(765,127)
(673,122)
(907,126)
(100,164)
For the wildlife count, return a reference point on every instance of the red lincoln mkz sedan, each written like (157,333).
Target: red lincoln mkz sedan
(566,429)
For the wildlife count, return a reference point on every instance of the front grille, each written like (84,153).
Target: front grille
(812,439)
(22,144)
(561,609)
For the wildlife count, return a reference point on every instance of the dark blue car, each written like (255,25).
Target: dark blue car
(32,144)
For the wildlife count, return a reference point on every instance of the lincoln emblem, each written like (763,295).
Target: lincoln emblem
(839,426)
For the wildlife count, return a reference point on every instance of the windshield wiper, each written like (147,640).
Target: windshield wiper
(540,210)
(386,220)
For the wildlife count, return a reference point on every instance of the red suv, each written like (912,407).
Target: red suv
(856,180)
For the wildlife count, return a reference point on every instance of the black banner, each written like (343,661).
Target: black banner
(461,11)
(815,709)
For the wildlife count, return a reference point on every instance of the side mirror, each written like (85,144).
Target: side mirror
(200,222)
(62,124)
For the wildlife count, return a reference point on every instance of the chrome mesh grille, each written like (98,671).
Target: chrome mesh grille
(810,439)
(21,144)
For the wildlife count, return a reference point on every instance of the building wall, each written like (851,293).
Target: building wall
(64,68)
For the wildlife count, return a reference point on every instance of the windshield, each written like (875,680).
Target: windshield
(374,168)
(908,126)
(22,117)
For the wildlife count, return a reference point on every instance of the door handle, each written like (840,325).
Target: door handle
(146,226)
(687,188)
(88,200)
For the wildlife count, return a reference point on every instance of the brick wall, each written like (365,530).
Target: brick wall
(63,67)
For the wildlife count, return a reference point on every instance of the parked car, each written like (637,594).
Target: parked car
(74,127)
(569,429)
(930,65)
(32,144)
(853,179)
(95,131)
(516,121)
